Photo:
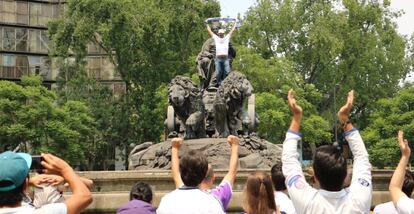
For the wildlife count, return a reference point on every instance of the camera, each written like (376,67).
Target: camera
(36,163)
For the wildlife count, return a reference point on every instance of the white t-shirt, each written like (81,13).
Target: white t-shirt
(58,208)
(385,208)
(222,45)
(189,201)
(284,203)
(405,205)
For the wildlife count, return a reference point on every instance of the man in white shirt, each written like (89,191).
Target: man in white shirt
(222,61)
(401,201)
(190,199)
(222,192)
(330,170)
(282,199)
(407,189)
(14,171)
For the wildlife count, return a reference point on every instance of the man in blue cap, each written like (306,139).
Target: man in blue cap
(14,171)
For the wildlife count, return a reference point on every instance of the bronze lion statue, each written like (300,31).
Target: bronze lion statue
(229,115)
(186,99)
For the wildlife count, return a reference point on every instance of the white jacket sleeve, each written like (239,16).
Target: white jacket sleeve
(301,193)
(361,184)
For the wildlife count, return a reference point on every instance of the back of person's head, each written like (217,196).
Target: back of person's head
(329,167)
(193,168)
(209,178)
(14,169)
(259,197)
(408,184)
(141,191)
(278,178)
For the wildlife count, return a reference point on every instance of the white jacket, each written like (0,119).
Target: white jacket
(306,199)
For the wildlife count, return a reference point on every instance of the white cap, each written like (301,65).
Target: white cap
(221,31)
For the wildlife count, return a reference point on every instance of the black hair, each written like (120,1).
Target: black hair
(278,179)
(12,197)
(193,168)
(408,184)
(141,191)
(330,167)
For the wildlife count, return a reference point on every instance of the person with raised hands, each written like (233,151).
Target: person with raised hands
(188,198)
(402,202)
(14,171)
(330,169)
(223,192)
(222,61)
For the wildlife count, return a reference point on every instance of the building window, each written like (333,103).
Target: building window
(34,45)
(22,66)
(107,69)
(8,65)
(22,13)
(9,60)
(9,39)
(8,11)
(35,13)
(94,67)
(46,14)
(1,38)
(44,41)
(21,39)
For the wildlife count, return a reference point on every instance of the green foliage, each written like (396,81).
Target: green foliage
(390,115)
(274,117)
(334,45)
(30,118)
(148,41)
(271,79)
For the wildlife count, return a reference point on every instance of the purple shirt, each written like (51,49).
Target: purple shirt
(223,193)
(136,207)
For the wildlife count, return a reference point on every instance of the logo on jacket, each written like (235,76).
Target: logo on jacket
(296,180)
(363,182)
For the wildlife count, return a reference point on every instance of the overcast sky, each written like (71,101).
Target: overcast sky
(405,22)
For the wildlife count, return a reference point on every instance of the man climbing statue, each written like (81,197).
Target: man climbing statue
(222,62)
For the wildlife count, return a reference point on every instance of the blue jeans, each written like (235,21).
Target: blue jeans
(222,69)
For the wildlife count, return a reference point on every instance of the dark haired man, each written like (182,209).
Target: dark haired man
(407,189)
(140,200)
(281,194)
(222,192)
(330,170)
(14,171)
(401,200)
(190,198)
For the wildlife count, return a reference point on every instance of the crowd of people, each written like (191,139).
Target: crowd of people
(285,190)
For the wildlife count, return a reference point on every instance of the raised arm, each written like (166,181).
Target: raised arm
(301,193)
(397,179)
(81,196)
(234,159)
(296,110)
(175,162)
(233,28)
(343,113)
(361,183)
(209,30)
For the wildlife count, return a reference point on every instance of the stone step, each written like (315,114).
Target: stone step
(161,180)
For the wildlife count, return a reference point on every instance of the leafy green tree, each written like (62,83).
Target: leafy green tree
(389,116)
(147,41)
(30,118)
(73,84)
(271,80)
(334,45)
